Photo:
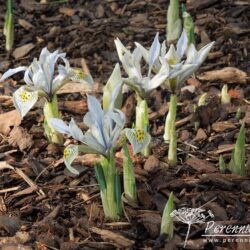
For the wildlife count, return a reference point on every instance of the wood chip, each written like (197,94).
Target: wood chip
(23,50)
(227,75)
(26,25)
(200,135)
(222,126)
(73,87)
(114,238)
(201,166)
(67,11)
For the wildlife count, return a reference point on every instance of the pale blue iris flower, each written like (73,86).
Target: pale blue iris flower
(105,127)
(41,79)
(174,57)
(159,70)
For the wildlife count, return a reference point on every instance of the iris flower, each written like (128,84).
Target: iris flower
(105,127)
(41,79)
(174,58)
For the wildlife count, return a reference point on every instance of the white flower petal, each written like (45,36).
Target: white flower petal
(154,51)
(24,100)
(59,126)
(138,138)
(69,154)
(75,131)
(182,44)
(11,72)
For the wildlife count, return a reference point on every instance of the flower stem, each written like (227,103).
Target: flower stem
(51,111)
(142,121)
(170,132)
(109,182)
(129,176)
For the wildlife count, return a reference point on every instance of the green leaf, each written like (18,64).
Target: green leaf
(173,21)
(100,177)
(9,26)
(167,225)
(222,165)
(117,186)
(188,25)
(237,163)
(128,176)
(114,80)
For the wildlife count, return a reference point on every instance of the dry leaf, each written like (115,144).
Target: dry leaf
(227,75)
(23,50)
(9,119)
(67,11)
(115,238)
(19,137)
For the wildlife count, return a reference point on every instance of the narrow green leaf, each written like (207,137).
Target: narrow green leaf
(100,177)
(237,163)
(222,165)
(188,25)
(118,194)
(9,26)
(167,225)
(128,176)
(238,114)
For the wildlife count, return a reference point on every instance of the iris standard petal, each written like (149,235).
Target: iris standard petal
(154,52)
(182,44)
(92,143)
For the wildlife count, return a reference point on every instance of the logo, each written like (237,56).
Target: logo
(191,216)
(215,232)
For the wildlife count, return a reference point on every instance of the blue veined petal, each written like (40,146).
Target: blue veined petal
(69,154)
(136,57)
(24,100)
(159,78)
(57,83)
(60,126)
(28,76)
(11,72)
(121,49)
(172,56)
(75,131)
(89,140)
(129,67)
(119,121)
(40,81)
(203,52)
(191,54)
(138,139)
(154,52)
(182,44)
(95,109)
(144,52)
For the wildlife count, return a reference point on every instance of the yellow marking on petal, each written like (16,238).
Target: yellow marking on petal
(78,74)
(25,96)
(139,135)
(66,153)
